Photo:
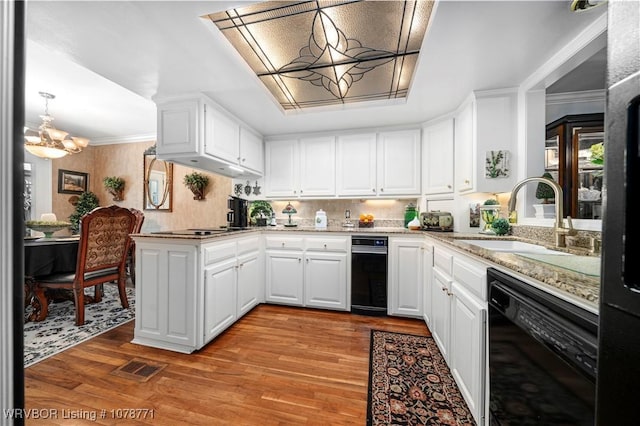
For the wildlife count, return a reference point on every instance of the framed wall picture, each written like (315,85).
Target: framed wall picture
(70,182)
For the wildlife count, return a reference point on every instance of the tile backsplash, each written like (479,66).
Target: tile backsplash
(385,212)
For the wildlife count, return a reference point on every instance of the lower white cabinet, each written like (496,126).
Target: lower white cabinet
(307,271)
(405,276)
(284,277)
(219,297)
(325,280)
(427,282)
(188,291)
(458,322)
(467,355)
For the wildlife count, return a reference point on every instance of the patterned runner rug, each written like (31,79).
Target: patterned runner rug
(59,332)
(410,383)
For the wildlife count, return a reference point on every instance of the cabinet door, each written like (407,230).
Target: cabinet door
(437,158)
(219,298)
(222,135)
(318,166)
(467,360)
(166,297)
(405,276)
(464,152)
(399,163)
(250,282)
(178,127)
(325,280)
(441,311)
(284,281)
(356,165)
(251,151)
(281,168)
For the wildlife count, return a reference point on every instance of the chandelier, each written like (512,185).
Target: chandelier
(49,142)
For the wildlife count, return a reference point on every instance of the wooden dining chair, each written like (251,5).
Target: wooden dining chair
(131,256)
(102,254)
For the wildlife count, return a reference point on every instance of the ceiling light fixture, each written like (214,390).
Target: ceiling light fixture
(319,53)
(49,142)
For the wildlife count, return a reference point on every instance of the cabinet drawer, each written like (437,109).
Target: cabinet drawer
(472,275)
(249,244)
(219,251)
(327,243)
(443,260)
(284,243)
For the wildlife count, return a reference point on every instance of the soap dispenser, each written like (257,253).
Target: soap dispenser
(321,219)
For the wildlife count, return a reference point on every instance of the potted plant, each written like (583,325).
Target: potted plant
(489,212)
(547,208)
(197,183)
(87,201)
(115,186)
(259,212)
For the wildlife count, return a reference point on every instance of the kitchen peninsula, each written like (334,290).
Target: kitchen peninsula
(192,287)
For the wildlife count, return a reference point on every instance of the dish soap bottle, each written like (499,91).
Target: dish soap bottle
(321,219)
(409,213)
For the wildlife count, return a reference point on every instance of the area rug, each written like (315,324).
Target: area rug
(410,383)
(59,332)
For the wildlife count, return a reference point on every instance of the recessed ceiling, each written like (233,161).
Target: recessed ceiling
(319,53)
(145,50)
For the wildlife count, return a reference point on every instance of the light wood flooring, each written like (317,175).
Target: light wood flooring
(276,366)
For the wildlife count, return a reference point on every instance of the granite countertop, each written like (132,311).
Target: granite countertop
(572,279)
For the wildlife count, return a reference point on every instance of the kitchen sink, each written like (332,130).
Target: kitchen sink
(513,247)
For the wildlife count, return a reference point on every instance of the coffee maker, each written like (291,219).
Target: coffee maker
(238,216)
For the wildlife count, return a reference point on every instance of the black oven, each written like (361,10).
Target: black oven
(369,275)
(542,356)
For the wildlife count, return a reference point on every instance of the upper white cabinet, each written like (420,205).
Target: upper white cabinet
(300,167)
(357,165)
(318,166)
(437,157)
(379,165)
(399,162)
(281,168)
(196,132)
(485,126)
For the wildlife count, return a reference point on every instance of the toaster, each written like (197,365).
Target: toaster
(437,221)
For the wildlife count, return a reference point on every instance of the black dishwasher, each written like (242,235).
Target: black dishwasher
(542,356)
(369,275)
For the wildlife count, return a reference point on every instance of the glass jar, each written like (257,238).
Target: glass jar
(488,214)
(410,213)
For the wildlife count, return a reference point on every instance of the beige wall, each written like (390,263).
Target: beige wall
(126,161)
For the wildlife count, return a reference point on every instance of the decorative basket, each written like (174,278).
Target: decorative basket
(362,224)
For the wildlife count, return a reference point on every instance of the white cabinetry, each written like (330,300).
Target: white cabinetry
(427,280)
(485,123)
(300,167)
(458,322)
(405,276)
(188,292)
(356,161)
(197,132)
(437,157)
(282,165)
(379,165)
(399,162)
(307,271)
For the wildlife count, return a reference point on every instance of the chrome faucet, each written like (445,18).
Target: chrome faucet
(560,231)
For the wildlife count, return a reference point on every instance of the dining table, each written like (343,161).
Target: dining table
(45,256)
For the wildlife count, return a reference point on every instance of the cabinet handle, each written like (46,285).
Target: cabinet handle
(300,191)
(466,181)
(295,192)
(374,190)
(238,158)
(283,244)
(237,267)
(244,159)
(300,260)
(449,186)
(381,189)
(241,265)
(325,246)
(307,260)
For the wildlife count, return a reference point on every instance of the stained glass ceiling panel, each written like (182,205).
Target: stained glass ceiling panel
(319,53)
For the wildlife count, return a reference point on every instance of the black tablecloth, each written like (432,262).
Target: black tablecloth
(48,256)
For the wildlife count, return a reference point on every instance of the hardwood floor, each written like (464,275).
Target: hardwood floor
(276,366)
